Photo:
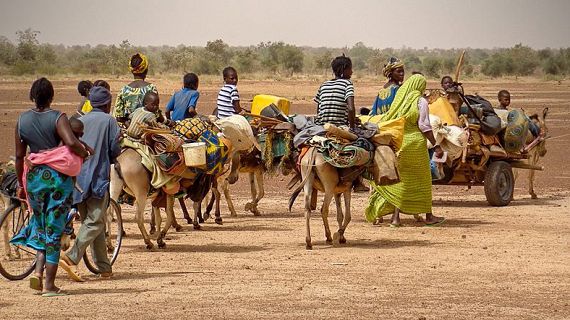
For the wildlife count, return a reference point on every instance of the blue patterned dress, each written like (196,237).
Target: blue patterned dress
(49,194)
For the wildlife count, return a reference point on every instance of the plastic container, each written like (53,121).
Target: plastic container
(261,101)
(195,154)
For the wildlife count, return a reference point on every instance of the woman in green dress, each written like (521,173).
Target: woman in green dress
(412,195)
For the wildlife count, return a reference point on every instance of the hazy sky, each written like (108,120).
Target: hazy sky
(333,23)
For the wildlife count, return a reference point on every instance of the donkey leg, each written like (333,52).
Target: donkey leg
(169,218)
(339,215)
(339,235)
(260,191)
(140,204)
(226,189)
(185,211)
(533,160)
(197,208)
(216,193)
(325,215)
(155,220)
(308,191)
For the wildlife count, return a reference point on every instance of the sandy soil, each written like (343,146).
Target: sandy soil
(484,262)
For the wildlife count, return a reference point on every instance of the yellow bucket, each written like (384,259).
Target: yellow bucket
(261,101)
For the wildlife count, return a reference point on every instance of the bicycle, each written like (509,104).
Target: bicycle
(19,261)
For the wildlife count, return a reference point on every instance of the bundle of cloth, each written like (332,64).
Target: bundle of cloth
(452,139)
(343,148)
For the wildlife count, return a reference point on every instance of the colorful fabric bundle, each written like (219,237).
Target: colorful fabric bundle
(216,152)
(171,163)
(192,128)
(344,155)
(516,131)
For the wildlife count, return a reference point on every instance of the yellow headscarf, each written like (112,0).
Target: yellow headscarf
(142,67)
(406,98)
(393,64)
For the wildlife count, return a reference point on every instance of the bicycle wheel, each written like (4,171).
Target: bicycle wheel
(113,236)
(17,261)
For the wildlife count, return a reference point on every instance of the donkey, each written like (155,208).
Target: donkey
(539,150)
(317,174)
(135,179)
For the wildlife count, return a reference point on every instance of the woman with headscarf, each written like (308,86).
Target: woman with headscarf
(131,96)
(394,71)
(412,195)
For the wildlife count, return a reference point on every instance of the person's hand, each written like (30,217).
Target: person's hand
(90,151)
(438,151)
(20,193)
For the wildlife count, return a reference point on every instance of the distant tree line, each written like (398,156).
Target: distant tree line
(29,56)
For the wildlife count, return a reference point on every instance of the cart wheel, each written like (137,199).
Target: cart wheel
(499,183)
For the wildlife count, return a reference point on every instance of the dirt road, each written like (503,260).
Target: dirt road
(482,263)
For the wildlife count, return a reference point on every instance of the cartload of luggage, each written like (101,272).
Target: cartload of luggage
(469,129)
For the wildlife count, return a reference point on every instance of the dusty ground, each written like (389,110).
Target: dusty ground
(484,263)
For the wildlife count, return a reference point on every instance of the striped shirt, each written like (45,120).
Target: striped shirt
(140,116)
(331,99)
(228,94)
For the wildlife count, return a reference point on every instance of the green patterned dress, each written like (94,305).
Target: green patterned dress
(412,195)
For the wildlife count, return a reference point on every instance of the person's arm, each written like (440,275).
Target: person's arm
(193,103)
(21,147)
(425,126)
(349,97)
(115,138)
(66,134)
(351,112)
(170,107)
(235,101)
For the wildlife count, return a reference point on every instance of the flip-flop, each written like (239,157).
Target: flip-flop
(36,283)
(72,275)
(393,225)
(58,293)
(435,223)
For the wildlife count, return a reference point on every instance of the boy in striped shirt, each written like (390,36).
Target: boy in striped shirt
(228,97)
(335,98)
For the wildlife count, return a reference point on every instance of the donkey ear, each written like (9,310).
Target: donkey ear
(544,113)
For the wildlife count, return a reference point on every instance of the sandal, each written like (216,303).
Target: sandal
(36,283)
(58,293)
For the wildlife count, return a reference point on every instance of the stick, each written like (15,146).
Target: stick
(261,117)
(459,66)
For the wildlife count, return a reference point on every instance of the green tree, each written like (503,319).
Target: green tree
(8,54)
(291,59)
(245,60)
(432,66)
(27,44)
(323,61)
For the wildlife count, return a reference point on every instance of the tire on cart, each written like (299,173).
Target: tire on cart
(499,183)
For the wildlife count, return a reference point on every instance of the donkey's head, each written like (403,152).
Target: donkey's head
(541,123)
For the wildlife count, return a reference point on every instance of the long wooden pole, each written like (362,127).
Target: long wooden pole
(459,66)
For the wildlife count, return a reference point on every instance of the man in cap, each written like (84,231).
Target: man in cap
(102,133)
